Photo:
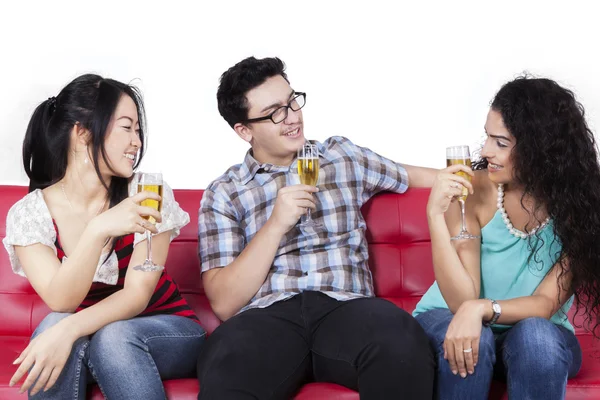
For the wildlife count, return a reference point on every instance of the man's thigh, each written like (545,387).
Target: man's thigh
(260,353)
(360,332)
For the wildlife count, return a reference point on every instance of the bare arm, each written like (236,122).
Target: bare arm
(465,328)
(547,299)
(420,177)
(129,301)
(230,288)
(456,264)
(47,353)
(62,286)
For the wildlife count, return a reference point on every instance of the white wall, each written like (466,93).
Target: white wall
(404,79)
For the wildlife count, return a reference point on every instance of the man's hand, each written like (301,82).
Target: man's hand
(292,202)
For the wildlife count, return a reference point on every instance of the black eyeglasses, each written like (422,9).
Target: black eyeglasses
(281,113)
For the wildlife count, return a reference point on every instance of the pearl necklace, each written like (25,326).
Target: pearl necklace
(509,226)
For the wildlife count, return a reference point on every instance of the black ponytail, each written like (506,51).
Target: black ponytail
(37,160)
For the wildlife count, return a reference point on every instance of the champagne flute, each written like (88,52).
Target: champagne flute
(460,155)
(308,171)
(150,182)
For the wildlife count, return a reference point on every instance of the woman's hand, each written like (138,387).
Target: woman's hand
(127,217)
(447,187)
(461,345)
(47,354)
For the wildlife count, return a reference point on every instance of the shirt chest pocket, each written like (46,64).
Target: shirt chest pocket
(338,206)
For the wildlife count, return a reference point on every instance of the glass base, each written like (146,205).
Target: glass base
(464,235)
(148,266)
(312,223)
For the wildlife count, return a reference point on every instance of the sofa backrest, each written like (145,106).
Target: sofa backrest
(399,251)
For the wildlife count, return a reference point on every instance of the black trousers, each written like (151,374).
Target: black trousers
(369,345)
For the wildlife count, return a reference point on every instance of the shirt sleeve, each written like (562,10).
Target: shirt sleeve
(379,174)
(28,222)
(220,236)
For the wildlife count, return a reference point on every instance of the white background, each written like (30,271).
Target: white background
(405,79)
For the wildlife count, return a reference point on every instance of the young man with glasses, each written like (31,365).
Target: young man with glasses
(298,301)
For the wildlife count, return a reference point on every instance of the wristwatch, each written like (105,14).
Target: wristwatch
(497,312)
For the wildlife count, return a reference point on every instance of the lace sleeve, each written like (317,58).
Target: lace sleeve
(173,216)
(28,222)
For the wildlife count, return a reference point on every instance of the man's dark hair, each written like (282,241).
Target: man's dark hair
(239,80)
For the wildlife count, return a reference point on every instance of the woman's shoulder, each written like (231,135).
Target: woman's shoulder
(32,204)
(29,221)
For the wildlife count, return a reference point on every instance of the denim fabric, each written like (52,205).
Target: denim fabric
(535,356)
(128,359)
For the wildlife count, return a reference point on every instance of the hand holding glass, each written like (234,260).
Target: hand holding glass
(150,182)
(308,171)
(461,155)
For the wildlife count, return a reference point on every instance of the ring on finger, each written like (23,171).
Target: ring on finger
(470,349)
(456,185)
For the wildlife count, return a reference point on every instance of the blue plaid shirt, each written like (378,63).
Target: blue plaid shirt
(332,259)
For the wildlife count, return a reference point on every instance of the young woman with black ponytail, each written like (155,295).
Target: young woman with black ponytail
(74,237)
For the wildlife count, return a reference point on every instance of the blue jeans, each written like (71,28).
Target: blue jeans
(128,359)
(537,357)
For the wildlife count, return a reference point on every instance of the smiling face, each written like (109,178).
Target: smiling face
(272,143)
(122,140)
(498,148)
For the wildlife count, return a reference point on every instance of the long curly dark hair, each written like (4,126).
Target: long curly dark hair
(555,160)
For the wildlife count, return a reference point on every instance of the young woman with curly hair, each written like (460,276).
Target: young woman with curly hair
(499,305)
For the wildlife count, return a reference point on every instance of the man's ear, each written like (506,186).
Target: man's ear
(243,131)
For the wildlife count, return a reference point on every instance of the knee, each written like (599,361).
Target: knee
(408,328)
(230,344)
(435,323)
(486,353)
(535,334)
(226,346)
(113,342)
(487,341)
(535,345)
(50,320)
(404,338)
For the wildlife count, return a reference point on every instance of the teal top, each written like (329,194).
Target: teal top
(507,270)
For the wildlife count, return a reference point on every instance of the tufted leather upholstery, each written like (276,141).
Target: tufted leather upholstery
(400,259)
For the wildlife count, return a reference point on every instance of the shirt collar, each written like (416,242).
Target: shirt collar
(251,166)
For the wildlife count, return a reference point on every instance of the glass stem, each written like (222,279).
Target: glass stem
(308,217)
(462,211)
(149,240)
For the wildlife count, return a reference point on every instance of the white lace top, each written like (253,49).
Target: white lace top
(29,222)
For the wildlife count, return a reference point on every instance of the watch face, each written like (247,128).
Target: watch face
(496,308)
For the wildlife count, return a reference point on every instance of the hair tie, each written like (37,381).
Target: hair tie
(51,104)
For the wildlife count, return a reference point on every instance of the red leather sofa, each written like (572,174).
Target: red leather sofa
(400,259)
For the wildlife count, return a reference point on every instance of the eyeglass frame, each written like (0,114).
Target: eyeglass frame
(270,116)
